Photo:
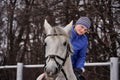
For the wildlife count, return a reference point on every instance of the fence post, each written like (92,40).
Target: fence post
(114,68)
(19,71)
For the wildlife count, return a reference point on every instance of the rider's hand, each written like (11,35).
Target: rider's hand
(79,70)
(83,70)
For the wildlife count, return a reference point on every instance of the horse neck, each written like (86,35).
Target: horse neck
(69,70)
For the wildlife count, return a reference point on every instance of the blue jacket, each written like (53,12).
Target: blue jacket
(79,45)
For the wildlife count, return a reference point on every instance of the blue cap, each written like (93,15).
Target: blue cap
(85,21)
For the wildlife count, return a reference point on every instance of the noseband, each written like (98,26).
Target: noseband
(60,66)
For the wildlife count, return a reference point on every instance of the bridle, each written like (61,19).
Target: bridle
(60,66)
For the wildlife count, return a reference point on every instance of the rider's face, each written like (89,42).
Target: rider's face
(80,29)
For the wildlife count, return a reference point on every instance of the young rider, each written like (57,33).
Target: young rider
(79,43)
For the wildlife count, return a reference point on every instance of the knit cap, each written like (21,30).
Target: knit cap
(85,21)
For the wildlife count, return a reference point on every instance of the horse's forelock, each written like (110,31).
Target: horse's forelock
(58,30)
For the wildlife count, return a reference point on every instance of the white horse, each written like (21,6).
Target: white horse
(58,53)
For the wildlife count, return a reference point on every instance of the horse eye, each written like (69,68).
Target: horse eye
(64,43)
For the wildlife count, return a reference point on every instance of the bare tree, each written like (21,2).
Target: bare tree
(22,34)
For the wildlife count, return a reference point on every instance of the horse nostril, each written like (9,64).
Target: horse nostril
(47,71)
(56,70)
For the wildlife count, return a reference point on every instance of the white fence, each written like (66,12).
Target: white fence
(114,68)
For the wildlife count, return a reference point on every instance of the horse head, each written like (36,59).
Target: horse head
(57,47)
(58,64)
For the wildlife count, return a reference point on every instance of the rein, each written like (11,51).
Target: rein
(60,66)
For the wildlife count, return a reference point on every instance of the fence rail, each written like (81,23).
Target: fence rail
(114,68)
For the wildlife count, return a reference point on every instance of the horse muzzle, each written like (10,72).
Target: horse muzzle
(51,68)
(51,72)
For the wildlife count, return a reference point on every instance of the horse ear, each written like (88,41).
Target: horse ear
(68,27)
(47,26)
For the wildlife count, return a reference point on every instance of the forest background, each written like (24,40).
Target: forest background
(22,33)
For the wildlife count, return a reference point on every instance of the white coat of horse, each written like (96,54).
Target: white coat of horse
(58,53)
